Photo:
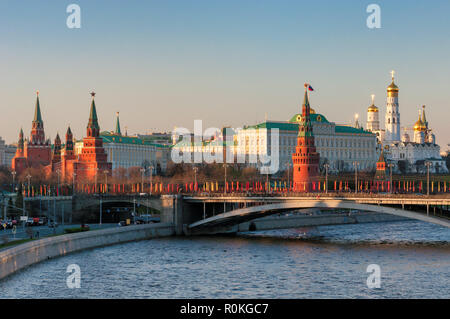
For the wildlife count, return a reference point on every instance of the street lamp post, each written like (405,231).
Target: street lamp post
(101,210)
(151,181)
(327,166)
(428,165)
(23,197)
(14,180)
(58,172)
(289,175)
(4,202)
(142,179)
(355,164)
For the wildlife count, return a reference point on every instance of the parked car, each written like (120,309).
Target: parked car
(52,224)
(42,221)
(147,218)
(35,221)
(29,222)
(122,223)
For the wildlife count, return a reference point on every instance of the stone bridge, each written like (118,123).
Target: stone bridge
(193,214)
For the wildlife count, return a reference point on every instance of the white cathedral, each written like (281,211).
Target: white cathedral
(406,155)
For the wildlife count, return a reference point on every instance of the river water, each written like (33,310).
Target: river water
(321,262)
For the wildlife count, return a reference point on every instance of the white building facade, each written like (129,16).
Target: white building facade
(338,145)
(408,153)
(7,153)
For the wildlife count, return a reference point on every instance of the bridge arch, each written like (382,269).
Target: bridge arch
(241,215)
(154,203)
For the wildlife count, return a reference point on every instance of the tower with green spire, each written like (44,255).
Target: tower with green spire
(305,159)
(37,126)
(93,129)
(93,158)
(117,131)
(38,150)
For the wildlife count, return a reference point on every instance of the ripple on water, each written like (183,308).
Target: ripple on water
(324,262)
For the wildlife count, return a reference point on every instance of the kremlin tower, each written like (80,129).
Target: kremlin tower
(380,173)
(69,151)
(93,158)
(392,118)
(56,158)
(37,151)
(117,131)
(19,162)
(305,159)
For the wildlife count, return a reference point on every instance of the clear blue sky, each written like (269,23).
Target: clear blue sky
(165,63)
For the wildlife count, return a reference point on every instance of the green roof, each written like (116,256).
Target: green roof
(350,130)
(314,118)
(133,140)
(283,126)
(293,123)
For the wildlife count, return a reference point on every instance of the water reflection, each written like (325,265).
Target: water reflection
(325,262)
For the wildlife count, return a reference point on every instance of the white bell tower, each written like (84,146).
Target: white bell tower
(373,122)
(392,118)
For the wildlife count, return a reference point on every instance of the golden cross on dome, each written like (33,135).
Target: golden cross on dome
(373,99)
(392,74)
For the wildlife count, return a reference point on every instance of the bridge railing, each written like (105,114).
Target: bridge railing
(236,188)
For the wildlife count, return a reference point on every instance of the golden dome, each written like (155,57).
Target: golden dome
(372,108)
(392,87)
(312,111)
(420,125)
